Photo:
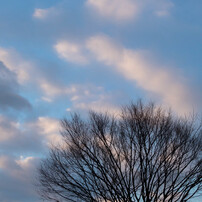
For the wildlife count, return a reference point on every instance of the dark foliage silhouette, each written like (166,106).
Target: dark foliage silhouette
(144,154)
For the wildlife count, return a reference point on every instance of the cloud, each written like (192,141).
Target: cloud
(52,90)
(18,171)
(116,9)
(161,8)
(18,168)
(14,69)
(122,10)
(45,13)
(139,67)
(70,52)
(29,137)
(90,97)
(16,72)
(49,129)
(9,88)
(8,129)
(18,137)
(83,96)
(14,62)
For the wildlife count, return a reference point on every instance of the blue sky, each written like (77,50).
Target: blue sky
(62,56)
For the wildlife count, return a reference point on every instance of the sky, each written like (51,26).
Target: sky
(63,56)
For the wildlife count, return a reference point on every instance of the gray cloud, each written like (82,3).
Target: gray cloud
(21,146)
(18,171)
(14,139)
(9,88)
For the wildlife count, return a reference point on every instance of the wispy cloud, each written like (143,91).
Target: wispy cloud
(49,129)
(17,71)
(70,52)
(116,9)
(45,13)
(82,96)
(52,90)
(90,97)
(123,10)
(15,63)
(139,67)
(161,8)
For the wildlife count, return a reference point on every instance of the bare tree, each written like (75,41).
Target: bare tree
(145,154)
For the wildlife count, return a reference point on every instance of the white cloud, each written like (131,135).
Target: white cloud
(45,13)
(26,71)
(83,96)
(90,97)
(116,9)
(101,104)
(71,52)
(68,109)
(52,90)
(120,10)
(40,13)
(48,128)
(139,67)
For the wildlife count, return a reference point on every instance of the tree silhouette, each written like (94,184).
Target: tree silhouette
(145,154)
